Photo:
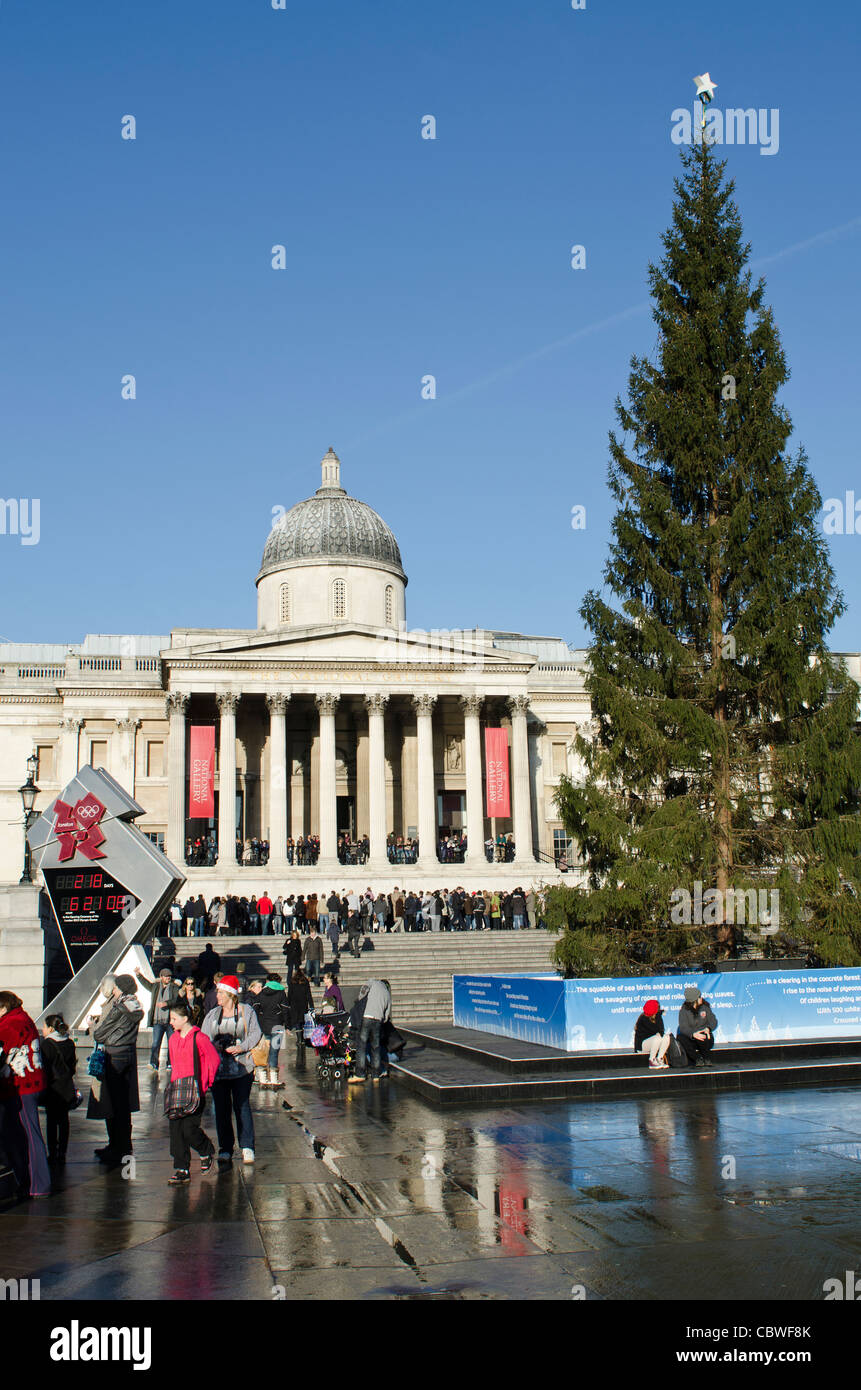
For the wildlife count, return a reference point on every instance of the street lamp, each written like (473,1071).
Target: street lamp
(28,794)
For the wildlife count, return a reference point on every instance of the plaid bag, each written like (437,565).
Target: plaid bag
(183,1097)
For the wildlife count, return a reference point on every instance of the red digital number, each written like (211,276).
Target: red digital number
(73,904)
(79,881)
(88,905)
(96,881)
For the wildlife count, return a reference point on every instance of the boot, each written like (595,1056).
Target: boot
(260,1074)
(274,1083)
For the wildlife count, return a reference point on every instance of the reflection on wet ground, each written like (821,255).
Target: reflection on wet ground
(372,1194)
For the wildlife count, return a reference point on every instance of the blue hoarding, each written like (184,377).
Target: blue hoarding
(750,1006)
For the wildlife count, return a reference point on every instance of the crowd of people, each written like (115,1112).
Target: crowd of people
(401,910)
(220,1037)
(202,850)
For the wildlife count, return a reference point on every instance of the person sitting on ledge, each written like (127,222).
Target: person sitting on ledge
(696,1028)
(649,1035)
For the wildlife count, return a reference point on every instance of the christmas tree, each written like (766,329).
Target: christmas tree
(724,770)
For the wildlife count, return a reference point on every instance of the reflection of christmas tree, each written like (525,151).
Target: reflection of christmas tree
(754,1026)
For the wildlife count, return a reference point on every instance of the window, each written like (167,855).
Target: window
(284,609)
(559,764)
(99,753)
(157,837)
(390,605)
(45,767)
(155,760)
(339,598)
(563,848)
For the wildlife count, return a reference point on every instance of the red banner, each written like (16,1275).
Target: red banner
(496,763)
(201,769)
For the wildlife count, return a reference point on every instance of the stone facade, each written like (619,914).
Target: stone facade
(350,723)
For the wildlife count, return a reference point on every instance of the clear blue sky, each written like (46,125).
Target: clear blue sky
(404,257)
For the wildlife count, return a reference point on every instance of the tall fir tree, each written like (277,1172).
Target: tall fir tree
(724,750)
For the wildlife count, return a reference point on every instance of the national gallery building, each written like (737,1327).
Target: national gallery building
(331,718)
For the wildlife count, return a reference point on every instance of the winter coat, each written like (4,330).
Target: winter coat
(244,1026)
(181,1053)
(693,1020)
(293,950)
(313,949)
(59,1063)
(117,1031)
(299,1001)
(171,997)
(270,1006)
(21,1071)
(647,1026)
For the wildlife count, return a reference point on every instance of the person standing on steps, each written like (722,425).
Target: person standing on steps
(312,955)
(191,1055)
(293,953)
(235,1031)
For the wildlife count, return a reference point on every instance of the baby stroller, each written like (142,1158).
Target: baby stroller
(330,1041)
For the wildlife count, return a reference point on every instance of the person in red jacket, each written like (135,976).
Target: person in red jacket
(21,1081)
(264,909)
(190,1049)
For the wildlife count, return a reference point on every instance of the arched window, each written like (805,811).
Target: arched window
(339,598)
(390,605)
(284,609)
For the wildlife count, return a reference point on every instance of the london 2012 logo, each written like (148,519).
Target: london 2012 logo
(77,827)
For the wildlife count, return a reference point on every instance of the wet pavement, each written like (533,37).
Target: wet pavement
(373,1194)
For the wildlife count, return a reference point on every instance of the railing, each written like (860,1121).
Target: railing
(39,673)
(101,663)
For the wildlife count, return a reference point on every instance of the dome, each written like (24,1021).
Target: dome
(331,525)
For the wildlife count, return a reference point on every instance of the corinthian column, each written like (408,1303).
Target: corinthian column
(376,706)
(277,706)
(69,731)
(127,729)
(227,701)
(471,705)
(524,853)
(326,705)
(424,705)
(174,840)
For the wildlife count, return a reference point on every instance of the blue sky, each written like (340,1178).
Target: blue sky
(404,257)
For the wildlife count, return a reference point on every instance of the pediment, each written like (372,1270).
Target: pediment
(343,643)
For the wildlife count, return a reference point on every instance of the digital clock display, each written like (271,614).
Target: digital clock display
(89,905)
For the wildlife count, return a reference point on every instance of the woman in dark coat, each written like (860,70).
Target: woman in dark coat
(292,953)
(115,1097)
(299,1001)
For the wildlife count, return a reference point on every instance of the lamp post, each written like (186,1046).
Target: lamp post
(28,794)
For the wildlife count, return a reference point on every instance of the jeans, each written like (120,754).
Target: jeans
(264,923)
(381,921)
(253,920)
(200,926)
(276,1042)
(322,923)
(234,1094)
(159,1031)
(370,1031)
(478,921)
(519,924)
(186,1134)
(312,970)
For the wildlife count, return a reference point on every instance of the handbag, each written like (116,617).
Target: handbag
(183,1097)
(260,1053)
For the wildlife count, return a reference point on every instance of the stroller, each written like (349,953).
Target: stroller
(330,1040)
